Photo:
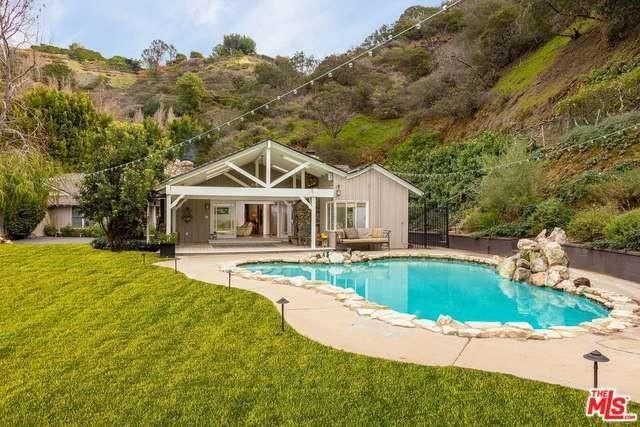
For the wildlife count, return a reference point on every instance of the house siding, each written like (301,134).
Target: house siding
(388,203)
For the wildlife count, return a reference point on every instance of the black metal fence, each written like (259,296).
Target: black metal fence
(428,226)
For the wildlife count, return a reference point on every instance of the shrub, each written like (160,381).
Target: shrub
(624,231)
(195,55)
(549,214)
(589,225)
(20,224)
(94,230)
(191,93)
(67,231)
(235,44)
(478,220)
(622,188)
(125,245)
(505,230)
(50,231)
(512,186)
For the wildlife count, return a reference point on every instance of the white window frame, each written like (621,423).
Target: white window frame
(333,205)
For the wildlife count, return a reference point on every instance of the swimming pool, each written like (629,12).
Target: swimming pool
(465,291)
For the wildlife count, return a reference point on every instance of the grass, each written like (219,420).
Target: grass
(89,337)
(524,74)
(362,137)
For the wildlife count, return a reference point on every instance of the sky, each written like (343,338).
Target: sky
(279,27)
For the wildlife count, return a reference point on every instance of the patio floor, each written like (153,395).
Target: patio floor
(251,245)
(322,318)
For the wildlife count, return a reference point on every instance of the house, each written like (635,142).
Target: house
(62,207)
(271,191)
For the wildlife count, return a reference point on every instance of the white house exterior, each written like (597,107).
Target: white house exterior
(261,186)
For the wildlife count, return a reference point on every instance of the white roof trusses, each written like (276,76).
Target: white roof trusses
(270,154)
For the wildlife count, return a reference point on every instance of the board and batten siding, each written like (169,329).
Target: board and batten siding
(388,203)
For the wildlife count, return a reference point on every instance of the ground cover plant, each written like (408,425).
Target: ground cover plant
(94,337)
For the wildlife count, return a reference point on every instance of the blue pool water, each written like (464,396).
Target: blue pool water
(465,291)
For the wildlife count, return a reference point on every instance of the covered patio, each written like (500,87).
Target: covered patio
(249,200)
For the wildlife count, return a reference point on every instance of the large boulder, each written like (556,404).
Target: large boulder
(528,244)
(539,263)
(541,238)
(555,254)
(557,274)
(538,279)
(558,235)
(522,274)
(507,267)
(566,285)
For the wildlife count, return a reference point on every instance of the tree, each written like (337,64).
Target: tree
(195,55)
(304,64)
(157,53)
(58,73)
(63,122)
(17,19)
(24,175)
(191,93)
(333,107)
(234,44)
(117,199)
(281,74)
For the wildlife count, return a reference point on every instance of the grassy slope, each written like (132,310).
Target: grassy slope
(91,337)
(524,73)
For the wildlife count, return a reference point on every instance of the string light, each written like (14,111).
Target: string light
(348,63)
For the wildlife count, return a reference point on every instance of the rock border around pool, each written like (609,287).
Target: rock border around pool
(625,311)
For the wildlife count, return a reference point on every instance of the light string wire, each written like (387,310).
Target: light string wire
(294,91)
(506,165)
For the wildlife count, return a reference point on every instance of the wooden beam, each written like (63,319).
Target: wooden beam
(288,175)
(247,174)
(176,201)
(263,194)
(306,202)
(238,180)
(267,164)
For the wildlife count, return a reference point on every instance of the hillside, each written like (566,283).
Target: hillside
(447,99)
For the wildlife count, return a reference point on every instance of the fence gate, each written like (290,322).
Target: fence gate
(428,226)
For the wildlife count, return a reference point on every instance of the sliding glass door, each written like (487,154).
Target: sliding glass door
(223,220)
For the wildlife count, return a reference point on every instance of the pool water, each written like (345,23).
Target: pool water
(464,291)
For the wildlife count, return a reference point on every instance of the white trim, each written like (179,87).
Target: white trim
(246,174)
(305,201)
(313,223)
(267,164)
(289,174)
(243,192)
(177,201)
(389,175)
(237,180)
(334,204)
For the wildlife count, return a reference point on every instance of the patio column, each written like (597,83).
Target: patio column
(313,223)
(266,217)
(168,215)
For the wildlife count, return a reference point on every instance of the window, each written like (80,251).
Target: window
(77,220)
(342,215)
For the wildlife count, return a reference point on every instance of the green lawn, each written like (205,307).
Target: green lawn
(90,337)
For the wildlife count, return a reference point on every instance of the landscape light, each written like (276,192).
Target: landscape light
(282,301)
(595,356)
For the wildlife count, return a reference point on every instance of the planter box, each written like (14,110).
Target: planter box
(168,250)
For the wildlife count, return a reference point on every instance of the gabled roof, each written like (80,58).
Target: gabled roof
(249,154)
(392,176)
(65,189)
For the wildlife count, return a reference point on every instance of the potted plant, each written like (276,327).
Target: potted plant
(167,244)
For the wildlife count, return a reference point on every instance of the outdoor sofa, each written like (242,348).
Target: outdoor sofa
(351,237)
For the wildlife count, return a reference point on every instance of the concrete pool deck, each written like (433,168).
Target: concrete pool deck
(323,319)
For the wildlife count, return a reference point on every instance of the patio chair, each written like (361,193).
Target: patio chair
(245,230)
